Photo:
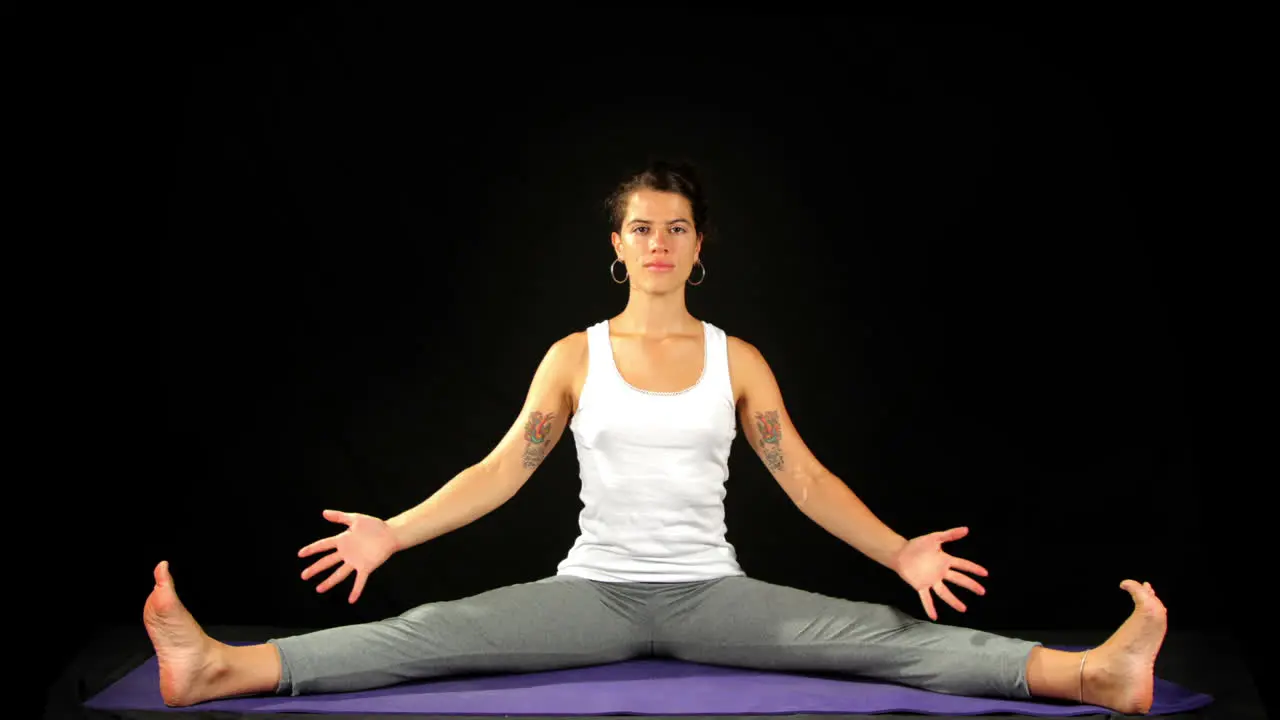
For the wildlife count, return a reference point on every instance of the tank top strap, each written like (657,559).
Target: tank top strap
(717,379)
(600,372)
(594,333)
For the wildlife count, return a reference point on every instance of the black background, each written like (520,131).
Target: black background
(310,258)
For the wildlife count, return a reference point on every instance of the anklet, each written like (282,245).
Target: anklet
(1082,657)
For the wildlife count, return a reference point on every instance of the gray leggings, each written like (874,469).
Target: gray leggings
(562,622)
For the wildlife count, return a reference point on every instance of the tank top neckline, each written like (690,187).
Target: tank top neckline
(617,372)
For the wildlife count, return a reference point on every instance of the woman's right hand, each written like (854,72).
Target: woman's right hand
(362,547)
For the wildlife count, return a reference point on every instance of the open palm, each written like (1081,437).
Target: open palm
(924,566)
(361,548)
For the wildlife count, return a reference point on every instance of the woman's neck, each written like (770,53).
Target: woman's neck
(654,315)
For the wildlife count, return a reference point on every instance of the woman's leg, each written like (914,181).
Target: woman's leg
(554,623)
(743,622)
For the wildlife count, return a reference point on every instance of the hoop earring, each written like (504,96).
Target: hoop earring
(704,274)
(614,275)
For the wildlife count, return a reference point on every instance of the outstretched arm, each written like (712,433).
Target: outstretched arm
(816,491)
(486,485)
(822,496)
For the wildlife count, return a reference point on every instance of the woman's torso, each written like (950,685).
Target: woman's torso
(653,422)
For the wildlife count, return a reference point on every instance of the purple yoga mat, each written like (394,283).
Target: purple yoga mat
(637,687)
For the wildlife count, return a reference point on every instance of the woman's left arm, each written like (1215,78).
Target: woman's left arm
(816,491)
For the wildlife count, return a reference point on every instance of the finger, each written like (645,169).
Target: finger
(968,566)
(1133,587)
(318,546)
(321,565)
(965,581)
(358,588)
(945,593)
(927,600)
(338,576)
(952,534)
(337,516)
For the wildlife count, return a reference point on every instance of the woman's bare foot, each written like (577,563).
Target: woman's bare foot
(190,660)
(1120,673)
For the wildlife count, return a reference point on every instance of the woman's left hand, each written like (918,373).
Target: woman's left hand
(924,566)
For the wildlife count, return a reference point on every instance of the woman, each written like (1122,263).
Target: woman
(652,396)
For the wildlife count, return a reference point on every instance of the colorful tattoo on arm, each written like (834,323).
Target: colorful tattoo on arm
(537,431)
(770,429)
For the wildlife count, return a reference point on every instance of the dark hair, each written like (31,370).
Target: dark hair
(660,176)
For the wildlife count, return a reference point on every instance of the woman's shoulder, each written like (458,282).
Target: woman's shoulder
(571,345)
(736,344)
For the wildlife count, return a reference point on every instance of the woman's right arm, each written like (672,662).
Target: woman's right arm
(486,485)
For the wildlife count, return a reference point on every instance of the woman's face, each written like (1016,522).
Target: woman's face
(658,241)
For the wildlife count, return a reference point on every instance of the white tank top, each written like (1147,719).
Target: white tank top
(653,468)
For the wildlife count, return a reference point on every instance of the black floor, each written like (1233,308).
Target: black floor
(1199,661)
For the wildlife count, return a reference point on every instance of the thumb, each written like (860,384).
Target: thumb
(337,516)
(952,534)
